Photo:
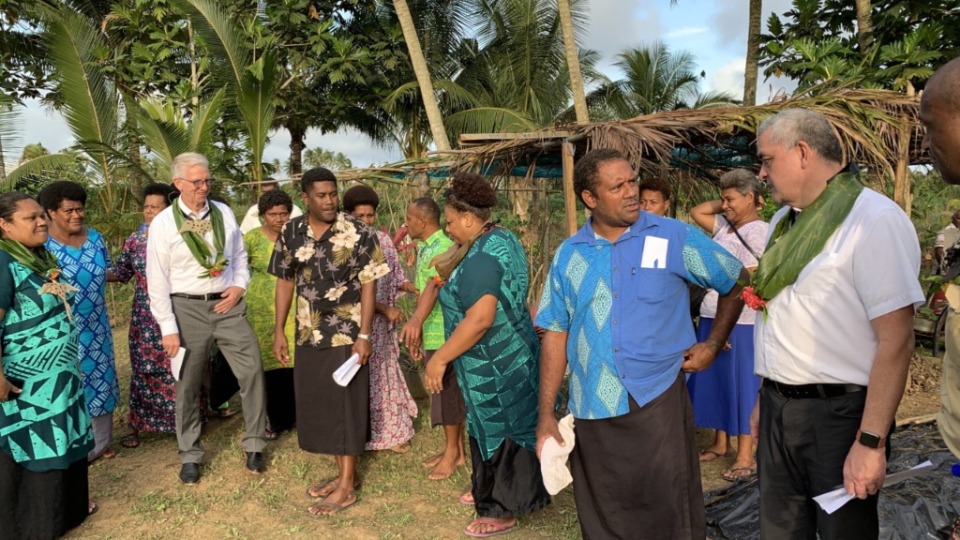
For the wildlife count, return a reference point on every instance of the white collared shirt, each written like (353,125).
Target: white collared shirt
(171,267)
(817,330)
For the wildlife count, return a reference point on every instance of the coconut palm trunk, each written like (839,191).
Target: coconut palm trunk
(573,62)
(864,25)
(753,54)
(422,71)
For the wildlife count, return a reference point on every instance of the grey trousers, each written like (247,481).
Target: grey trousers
(200,327)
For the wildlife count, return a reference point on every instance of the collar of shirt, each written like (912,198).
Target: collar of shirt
(190,213)
(433,238)
(305,229)
(586,234)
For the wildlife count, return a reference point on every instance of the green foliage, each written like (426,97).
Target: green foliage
(815,42)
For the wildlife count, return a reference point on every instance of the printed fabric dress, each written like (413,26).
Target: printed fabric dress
(152,396)
(45,432)
(261,313)
(86,269)
(392,408)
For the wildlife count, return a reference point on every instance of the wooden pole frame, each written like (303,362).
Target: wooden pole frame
(569,197)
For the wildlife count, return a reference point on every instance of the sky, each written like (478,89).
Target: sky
(715,32)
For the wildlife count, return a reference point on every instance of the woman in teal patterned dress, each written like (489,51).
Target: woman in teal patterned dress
(84,260)
(44,426)
(275,207)
(495,353)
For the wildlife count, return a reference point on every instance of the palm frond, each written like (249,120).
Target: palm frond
(41,166)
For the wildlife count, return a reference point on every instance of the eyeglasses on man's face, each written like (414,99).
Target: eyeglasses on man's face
(197,184)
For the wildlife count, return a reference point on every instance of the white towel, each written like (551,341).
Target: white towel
(553,458)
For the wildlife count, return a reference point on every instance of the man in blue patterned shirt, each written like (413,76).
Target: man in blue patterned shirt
(616,311)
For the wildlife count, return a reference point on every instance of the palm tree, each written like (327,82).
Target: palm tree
(573,62)
(753,54)
(423,75)
(167,133)
(654,80)
(864,25)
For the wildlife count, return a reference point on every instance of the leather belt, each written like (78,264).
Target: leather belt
(205,297)
(808,391)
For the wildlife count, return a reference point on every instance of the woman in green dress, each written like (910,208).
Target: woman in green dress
(44,424)
(495,353)
(275,207)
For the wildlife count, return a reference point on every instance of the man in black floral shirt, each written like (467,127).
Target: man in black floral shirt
(332,261)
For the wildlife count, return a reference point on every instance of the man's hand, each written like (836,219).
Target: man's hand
(281,349)
(7,388)
(230,298)
(171,344)
(864,470)
(409,287)
(412,333)
(698,357)
(548,427)
(363,349)
(755,423)
(433,377)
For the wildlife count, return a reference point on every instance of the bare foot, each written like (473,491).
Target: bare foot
(445,467)
(432,462)
(713,452)
(488,526)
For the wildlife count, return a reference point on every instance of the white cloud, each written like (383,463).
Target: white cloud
(356,146)
(615,25)
(686,31)
(728,78)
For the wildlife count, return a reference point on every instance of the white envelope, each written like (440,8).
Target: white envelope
(176,363)
(654,252)
(345,373)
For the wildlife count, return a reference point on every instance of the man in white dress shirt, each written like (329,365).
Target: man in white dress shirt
(835,343)
(197,275)
(251,220)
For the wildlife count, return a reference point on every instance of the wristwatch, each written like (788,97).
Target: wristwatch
(871,440)
(363,336)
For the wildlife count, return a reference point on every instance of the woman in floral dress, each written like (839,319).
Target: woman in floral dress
(152,398)
(392,408)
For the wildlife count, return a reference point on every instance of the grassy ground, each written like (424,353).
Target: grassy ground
(140,495)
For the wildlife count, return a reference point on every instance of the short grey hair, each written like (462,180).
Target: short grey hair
(742,180)
(790,126)
(186,160)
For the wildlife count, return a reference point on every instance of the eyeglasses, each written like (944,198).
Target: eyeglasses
(197,184)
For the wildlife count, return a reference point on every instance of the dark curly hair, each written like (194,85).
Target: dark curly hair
(657,184)
(62,190)
(587,167)
(359,196)
(274,197)
(314,175)
(470,192)
(166,191)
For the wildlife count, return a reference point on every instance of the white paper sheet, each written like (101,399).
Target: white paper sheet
(654,252)
(834,500)
(345,373)
(176,363)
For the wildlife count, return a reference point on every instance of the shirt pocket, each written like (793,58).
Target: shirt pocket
(820,277)
(650,285)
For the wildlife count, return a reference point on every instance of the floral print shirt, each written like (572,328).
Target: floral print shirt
(328,273)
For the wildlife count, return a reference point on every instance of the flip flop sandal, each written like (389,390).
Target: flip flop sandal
(713,455)
(270,435)
(130,440)
(730,475)
(467,499)
(498,529)
(336,508)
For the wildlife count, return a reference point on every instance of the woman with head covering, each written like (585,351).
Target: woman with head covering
(84,261)
(392,408)
(152,397)
(274,207)
(44,426)
(495,353)
(723,395)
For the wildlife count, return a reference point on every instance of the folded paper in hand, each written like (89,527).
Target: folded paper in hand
(553,458)
(176,363)
(832,501)
(344,374)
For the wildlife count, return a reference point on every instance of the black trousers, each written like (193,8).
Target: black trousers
(803,445)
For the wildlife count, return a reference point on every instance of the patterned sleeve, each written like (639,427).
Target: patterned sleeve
(6,284)
(281,261)
(552,313)
(370,257)
(708,264)
(480,275)
(124,267)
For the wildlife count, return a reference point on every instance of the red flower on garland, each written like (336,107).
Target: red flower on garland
(753,300)
(439,282)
